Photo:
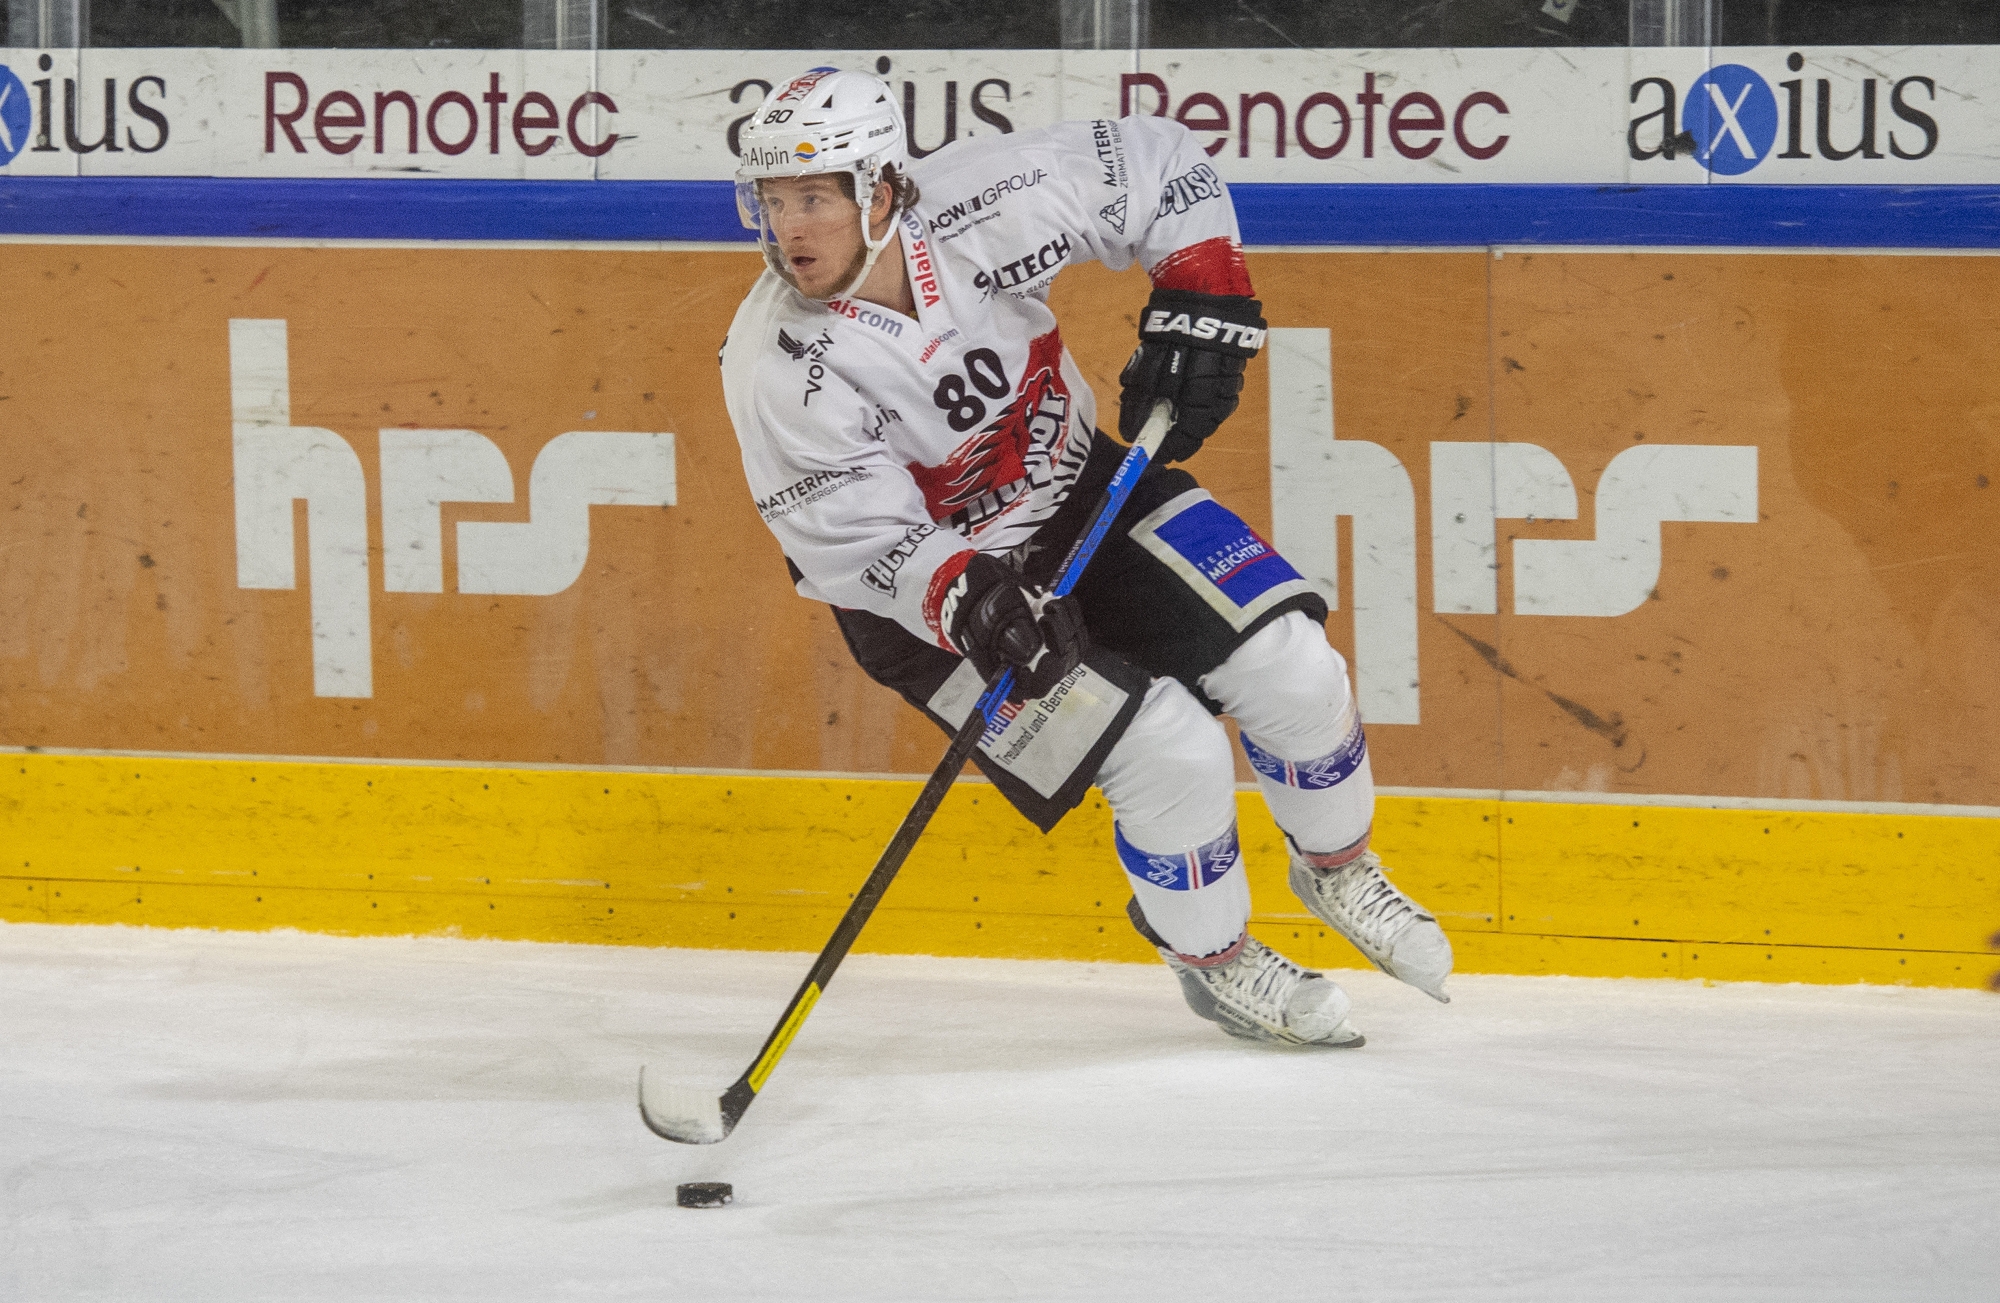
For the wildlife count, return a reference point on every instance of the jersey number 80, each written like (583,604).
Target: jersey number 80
(963,410)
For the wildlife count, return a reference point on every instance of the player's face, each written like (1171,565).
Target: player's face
(817,230)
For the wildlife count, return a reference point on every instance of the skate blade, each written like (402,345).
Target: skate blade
(1353,1041)
(1434,992)
(1437,994)
(1264,1036)
(686,1114)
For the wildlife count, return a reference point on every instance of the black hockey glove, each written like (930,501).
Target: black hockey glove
(995,620)
(1192,350)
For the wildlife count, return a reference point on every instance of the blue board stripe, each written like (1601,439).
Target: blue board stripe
(1769,216)
(377,209)
(1839,217)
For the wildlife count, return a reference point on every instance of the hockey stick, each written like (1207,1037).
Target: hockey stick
(691,1115)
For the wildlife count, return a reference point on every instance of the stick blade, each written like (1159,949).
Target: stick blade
(687,1114)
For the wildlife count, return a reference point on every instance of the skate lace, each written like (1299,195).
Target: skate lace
(1262,973)
(1367,895)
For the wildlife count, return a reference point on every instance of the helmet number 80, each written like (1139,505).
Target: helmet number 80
(778,115)
(963,410)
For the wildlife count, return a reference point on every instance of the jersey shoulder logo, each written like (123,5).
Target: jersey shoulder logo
(790,345)
(1198,185)
(1114,213)
(1110,145)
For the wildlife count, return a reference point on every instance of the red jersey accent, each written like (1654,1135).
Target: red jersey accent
(941,579)
(995,460)
(1211,267)
(989,460)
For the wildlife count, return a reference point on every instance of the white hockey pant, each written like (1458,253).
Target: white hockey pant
(1171,780)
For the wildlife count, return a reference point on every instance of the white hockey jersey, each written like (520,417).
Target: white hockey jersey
(883,450)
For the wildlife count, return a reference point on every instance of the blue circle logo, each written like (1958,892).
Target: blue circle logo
(1733,117)
(16,119)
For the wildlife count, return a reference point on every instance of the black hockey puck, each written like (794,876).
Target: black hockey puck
(704,1194)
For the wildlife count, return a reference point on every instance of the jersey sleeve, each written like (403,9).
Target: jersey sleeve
(1140,189)
(1180,221)
(850,520)
(1115,191)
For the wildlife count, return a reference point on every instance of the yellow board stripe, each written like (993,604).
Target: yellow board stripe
(752,862)
(783,1041)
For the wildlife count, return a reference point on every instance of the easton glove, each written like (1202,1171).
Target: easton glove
(995,620)
(1192,350)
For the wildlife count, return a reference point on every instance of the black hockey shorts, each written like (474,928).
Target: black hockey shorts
(1178,584)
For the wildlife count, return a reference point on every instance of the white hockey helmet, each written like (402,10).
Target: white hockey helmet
(824,121)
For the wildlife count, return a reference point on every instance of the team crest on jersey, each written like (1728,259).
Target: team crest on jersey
(1025,447)
(1113,213)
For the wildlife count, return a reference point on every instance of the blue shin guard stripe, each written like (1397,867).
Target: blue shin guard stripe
(1204,866)
(1329,770)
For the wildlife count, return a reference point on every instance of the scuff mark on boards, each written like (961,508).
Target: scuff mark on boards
(1612,729)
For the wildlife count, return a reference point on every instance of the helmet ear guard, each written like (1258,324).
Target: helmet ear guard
(825,121)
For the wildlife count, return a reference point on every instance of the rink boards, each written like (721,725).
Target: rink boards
(768,862)
(1635,532)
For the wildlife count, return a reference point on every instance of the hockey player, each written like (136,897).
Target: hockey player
(924,449)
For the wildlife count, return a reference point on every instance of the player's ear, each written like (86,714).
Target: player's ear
(884,196)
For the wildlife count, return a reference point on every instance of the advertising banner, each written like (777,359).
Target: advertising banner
(1672,522)
(1913,115)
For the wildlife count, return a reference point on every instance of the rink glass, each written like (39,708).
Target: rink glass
(1018,24)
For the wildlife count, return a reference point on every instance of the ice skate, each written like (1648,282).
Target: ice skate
(1252,991)
(1260,995)
(1397,934)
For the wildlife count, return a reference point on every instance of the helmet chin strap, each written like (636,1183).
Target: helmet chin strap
(874,252)
(874,247)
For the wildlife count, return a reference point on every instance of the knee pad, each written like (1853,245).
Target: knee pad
(1171,780)
(1287,688)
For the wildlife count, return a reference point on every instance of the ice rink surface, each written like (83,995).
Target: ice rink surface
(192,1115)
